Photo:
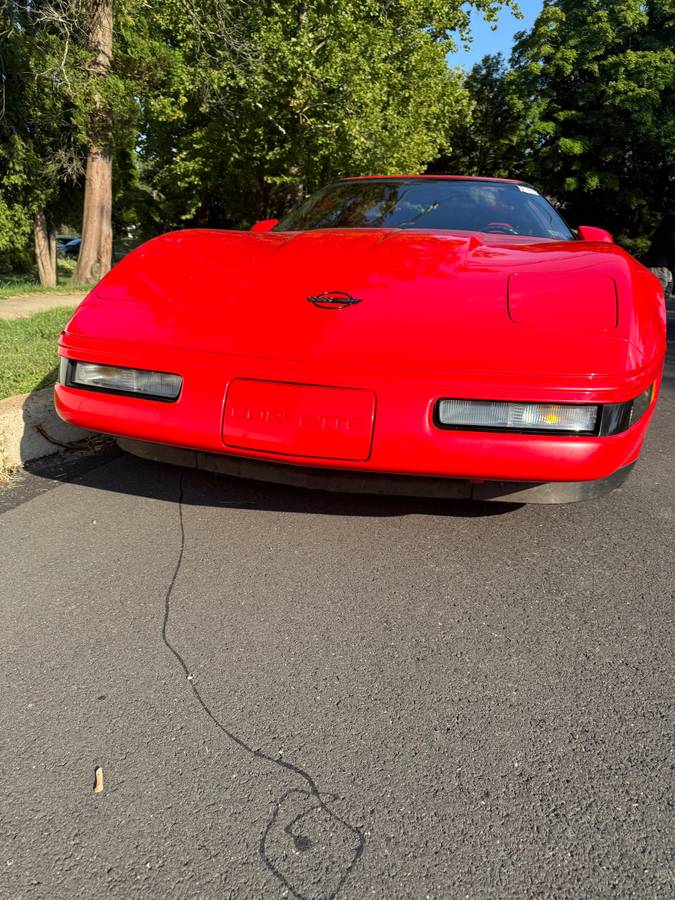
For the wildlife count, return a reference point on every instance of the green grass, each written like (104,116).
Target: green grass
(28,353)
(13,285)
(27,283)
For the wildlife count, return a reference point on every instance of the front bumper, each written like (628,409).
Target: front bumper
(406,442)
(351,482)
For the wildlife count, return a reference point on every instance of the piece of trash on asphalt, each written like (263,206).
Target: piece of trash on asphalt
(98,780)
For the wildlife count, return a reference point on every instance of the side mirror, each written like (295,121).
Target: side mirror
(265,225)
(589,233)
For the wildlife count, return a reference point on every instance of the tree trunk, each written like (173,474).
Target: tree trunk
(45,250)
(52,253)
(95,256)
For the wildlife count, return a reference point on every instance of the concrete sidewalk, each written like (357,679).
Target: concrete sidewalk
(22,306)
(29,425)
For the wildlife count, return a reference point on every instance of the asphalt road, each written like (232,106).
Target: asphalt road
(303,695)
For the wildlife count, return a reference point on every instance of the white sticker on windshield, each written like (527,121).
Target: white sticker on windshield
(527,190)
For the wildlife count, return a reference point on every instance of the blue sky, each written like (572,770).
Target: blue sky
(487,41)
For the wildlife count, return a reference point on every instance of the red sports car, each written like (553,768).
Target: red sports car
(433,336)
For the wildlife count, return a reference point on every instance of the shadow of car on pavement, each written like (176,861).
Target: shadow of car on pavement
(113,470)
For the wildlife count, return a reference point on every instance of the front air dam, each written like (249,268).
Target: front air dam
(353,482)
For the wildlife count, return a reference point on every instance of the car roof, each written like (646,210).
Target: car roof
(431,178)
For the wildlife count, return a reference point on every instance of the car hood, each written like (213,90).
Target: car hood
(429,300)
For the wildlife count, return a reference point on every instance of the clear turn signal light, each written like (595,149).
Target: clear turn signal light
(491,415)
(121,380)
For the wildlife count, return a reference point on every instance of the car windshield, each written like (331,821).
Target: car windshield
(492,207)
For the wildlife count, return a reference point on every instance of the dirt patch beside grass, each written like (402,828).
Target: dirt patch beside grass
(27,305)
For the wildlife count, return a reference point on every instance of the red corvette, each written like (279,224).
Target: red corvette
(435,336)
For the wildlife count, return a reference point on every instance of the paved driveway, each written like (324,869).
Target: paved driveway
(302,695)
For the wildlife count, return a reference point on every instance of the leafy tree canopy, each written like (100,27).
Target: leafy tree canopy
(221,111)
(48,110)
(601,79)
(298,93)
(586,111)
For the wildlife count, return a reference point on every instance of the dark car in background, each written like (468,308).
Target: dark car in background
(68,247)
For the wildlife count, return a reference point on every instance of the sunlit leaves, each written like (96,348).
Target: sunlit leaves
(586,112)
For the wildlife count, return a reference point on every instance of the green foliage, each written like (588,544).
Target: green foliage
(492,139)
(602,73)
(52,113)
(220,111)
(224,111)
(22,277)
(586,111)
(298,94)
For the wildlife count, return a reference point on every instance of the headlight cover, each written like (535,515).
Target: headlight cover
(542,418)
(488,415)
(143,383)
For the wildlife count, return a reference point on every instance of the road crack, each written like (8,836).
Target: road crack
(305,844)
